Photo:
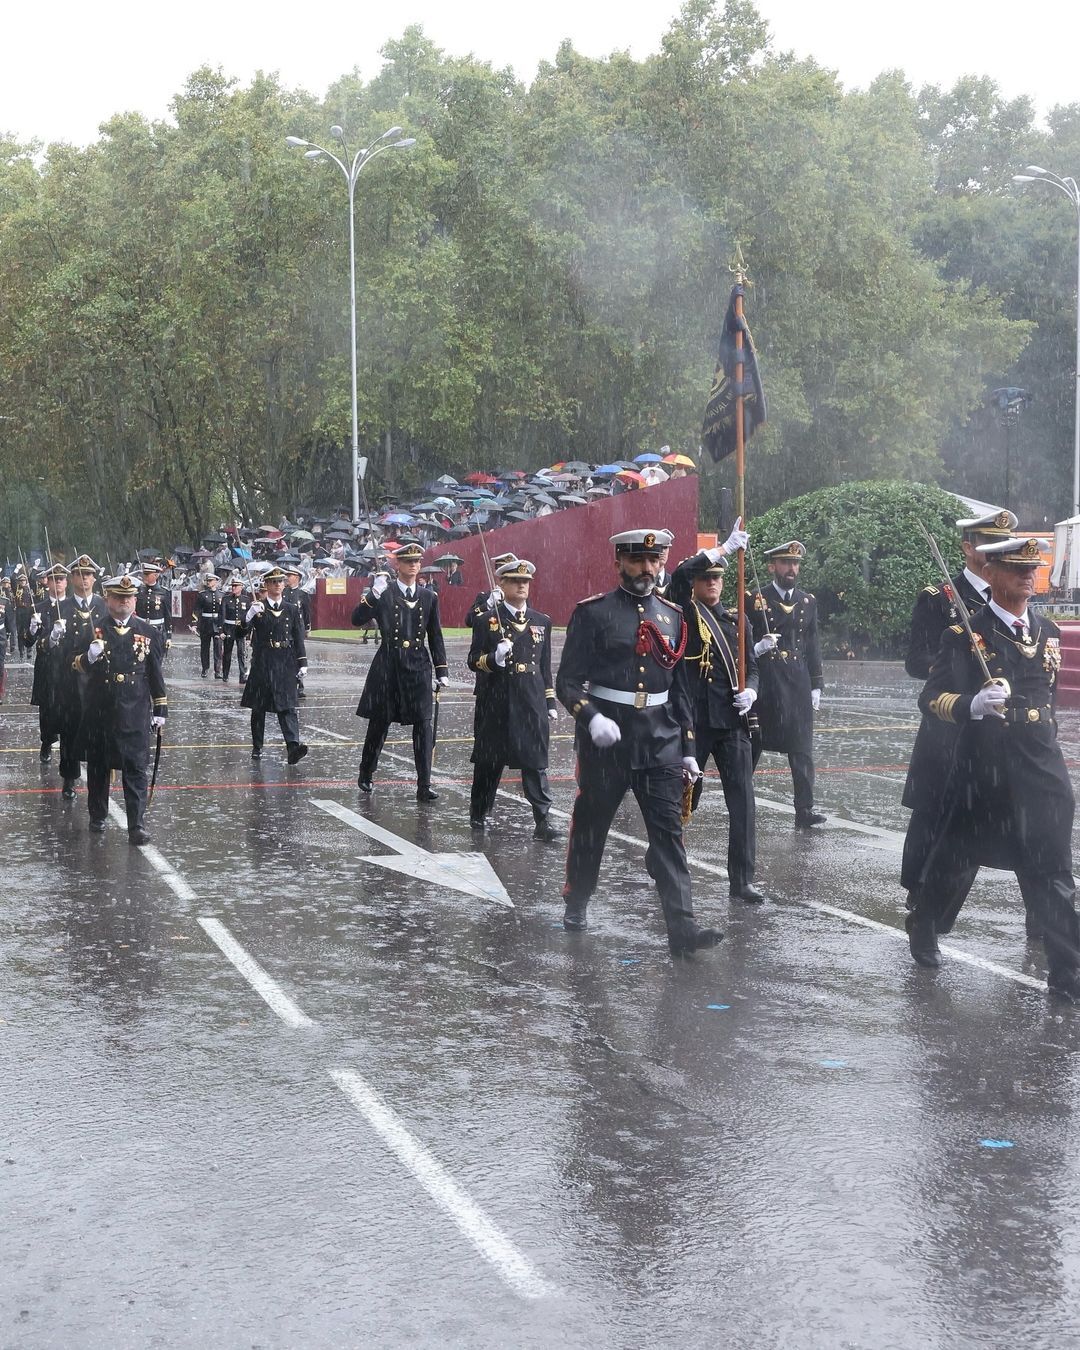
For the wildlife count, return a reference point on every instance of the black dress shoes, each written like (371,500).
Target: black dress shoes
(1065,984)
(696,941)
(425,794)
(545,832)
(68,792)
(45,754)
(573,919)
(257,752)
(97,827)
(477,823)
(297,752)
(922,939)
(138,837)
(364,784)
(804,819)
(749,893)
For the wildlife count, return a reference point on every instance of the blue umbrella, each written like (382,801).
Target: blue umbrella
(649,457)
(398,518)
(606,468)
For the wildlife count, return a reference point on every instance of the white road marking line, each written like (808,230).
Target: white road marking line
(267,988)
(325,731)
(513,1268)
(168,874)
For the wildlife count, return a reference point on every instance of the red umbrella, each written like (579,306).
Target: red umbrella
(479,478)
(271,532)
(630,476)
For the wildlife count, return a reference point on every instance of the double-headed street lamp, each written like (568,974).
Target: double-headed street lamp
(1033,174)
(350,166)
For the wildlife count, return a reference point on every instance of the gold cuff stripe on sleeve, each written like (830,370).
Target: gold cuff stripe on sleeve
(944,706)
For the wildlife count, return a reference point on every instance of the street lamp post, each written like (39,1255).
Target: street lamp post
(1033,174)
(350,166)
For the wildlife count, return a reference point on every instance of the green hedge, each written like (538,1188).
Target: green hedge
(865,558)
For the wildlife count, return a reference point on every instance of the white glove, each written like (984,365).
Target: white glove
(157,723)
(502,651)
(494,598)
(443,681)
(300,673)
(815,699)
(254,611)
(95,651)
(553,715)
(35,622)
(738,538)
(379,584)
(767,643)
(989,702)
(604,732)
(744,700)
(59,628)
(690,770)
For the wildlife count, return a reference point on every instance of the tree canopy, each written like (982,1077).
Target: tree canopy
(542,277)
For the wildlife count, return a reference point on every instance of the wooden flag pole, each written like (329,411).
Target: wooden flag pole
(738,267)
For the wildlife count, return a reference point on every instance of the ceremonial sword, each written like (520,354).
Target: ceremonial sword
(962,610)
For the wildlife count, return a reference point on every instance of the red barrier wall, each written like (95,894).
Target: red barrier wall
(570,548)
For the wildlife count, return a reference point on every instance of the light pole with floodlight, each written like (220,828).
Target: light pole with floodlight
(1033,174)
(350,167)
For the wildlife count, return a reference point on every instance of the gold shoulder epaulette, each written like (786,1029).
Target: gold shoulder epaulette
(929,590)
(809,595)
(956,628)
(590,598)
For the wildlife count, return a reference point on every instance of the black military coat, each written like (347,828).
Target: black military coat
(121,691)
(302,600)
(82,618)
(789,672)
(510,721)
(935,610)
(48,660)
(154,604)
(931,755)
(712,664)
(7,614)
(602,642)
(206,613)
(1008,801)
(398,685)
(277,653)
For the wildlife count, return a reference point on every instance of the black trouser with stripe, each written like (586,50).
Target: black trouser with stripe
(485,784)
(288,721)
(136,788)
(602,784)
(731,749)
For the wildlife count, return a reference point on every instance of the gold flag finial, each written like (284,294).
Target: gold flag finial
(738,264)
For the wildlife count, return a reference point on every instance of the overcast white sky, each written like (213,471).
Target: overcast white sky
(68,65)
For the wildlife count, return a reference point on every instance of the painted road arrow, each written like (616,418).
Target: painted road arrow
(470,873)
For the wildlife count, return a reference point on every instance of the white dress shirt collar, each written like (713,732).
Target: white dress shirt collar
(1010,619)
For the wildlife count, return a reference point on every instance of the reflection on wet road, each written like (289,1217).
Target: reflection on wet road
(294,1080)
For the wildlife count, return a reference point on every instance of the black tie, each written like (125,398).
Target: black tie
(409,593)
(521,616)
(1019,629)
(787,597)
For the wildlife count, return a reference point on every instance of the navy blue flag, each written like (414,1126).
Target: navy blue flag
(718,430)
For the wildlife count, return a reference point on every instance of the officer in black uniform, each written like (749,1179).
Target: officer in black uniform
(234,606)
(1009,801)
(721,707)
(83,610)
(154,601)
(931,756)
(398,685)
(7,630)
(623,679)
(24,608)
(123,700)
(206,621)
(784,621)
(296,595)
(515,699)
(45,629)
(277,654)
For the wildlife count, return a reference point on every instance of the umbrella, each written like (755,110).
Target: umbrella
(271,531)
(460,532)
(518,515)
(148,553)
(477,518)
(338,534)
(564,477)
(649,457)
(479,492)
(398,518)
(480,478)
(305,535)
(606,469)
(683,461)
(431,570)
(512,473)
(447,481)
(630,475)
(215,539)
(200,553)
(546,498)
(444,502)
(572,497)
(576,466)
(597,492)
(449,558)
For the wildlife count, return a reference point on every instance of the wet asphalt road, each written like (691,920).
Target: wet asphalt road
(452,1123)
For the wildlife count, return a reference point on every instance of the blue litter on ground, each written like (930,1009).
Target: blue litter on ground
(833,1063)
(996,1143)
(629,961)
(718,1007)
